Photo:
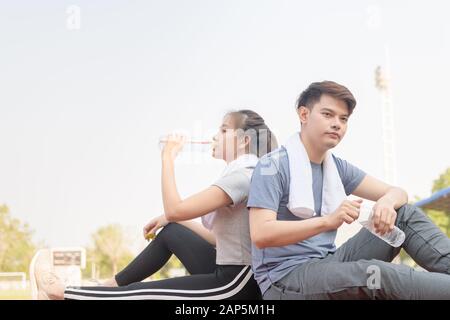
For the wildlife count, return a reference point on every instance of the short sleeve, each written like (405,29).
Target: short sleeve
(351,175)
(266,187)
(236,185)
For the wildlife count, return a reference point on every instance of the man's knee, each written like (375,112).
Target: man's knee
(405,212)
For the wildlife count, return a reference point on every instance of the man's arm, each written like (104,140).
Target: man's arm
(388,198)
(373,189)
(266,231)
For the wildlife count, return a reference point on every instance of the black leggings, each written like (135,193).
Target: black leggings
(206,280)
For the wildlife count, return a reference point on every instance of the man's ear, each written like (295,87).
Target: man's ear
(303,114)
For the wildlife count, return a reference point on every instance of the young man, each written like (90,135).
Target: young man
(294,255)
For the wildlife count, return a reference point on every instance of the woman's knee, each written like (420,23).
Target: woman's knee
(169,230)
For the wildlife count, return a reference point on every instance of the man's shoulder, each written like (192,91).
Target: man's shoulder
(274,162)
(347,171)
(279,154)
(341,163)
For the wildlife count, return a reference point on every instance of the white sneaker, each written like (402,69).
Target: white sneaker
(50,286)
(45,284)
(41,258)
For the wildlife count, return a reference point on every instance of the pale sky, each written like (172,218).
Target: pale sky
(81,110)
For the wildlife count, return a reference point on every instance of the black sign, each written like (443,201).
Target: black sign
(67,258)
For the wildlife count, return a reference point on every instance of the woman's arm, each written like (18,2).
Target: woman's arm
(194,206)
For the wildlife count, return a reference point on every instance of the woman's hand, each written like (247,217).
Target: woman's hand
(173,145)
(154,225)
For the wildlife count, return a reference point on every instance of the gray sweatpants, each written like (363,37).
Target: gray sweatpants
(361,268)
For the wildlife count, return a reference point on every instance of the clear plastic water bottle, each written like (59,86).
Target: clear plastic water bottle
(394,238)
(190,145)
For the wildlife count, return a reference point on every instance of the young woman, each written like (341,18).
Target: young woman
(218,254)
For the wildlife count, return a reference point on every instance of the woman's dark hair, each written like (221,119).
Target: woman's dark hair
(262,140)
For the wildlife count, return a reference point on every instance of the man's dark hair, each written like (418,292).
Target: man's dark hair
(315,90)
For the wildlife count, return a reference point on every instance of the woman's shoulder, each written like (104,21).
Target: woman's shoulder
(241,173)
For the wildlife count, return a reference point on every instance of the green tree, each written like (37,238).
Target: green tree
(442,182)
(16,245)
(441,218)
(109,250)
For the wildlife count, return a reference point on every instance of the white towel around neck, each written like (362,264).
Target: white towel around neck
(248,160)
(301,198)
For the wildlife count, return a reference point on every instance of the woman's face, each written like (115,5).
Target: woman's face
(225,143)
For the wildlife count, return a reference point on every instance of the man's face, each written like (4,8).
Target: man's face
(326,124)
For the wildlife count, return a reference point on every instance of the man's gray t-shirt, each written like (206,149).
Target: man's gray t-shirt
(269,189)
(231,223)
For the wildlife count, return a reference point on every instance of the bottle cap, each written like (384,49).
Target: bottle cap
(149,236)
